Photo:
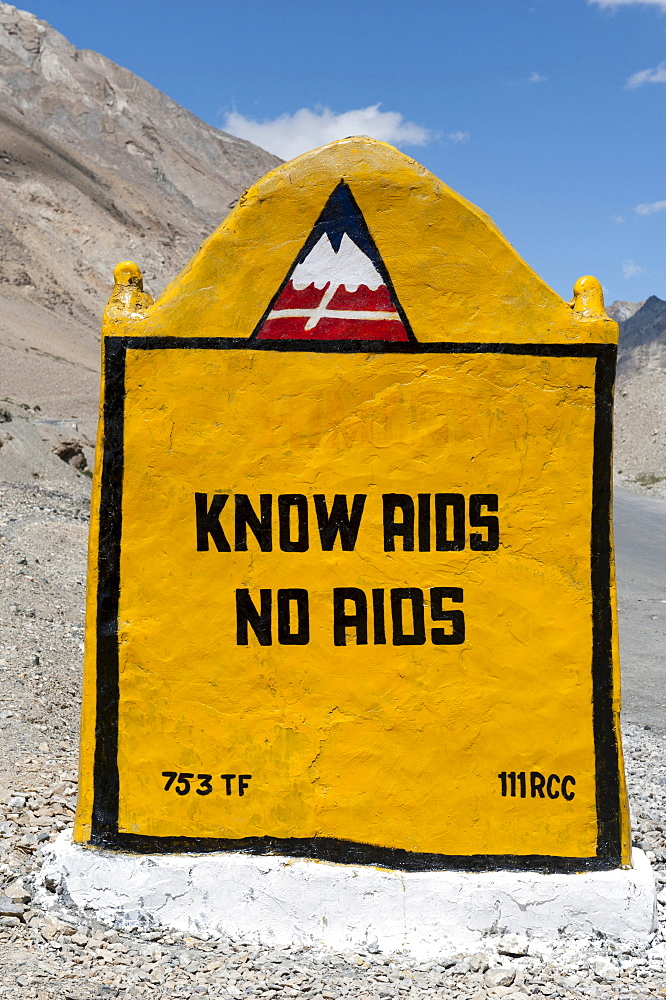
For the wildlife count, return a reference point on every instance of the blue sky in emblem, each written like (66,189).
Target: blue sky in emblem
(548,114)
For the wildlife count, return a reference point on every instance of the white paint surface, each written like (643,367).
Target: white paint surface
(278,901)
(349,266)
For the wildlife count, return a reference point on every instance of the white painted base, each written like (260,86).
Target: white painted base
(279,901)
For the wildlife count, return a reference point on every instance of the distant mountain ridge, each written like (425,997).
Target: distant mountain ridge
(621,310)
(642,334)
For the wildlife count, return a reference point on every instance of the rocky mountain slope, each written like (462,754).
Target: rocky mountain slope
(640,400)
(643,338)
(621,309)
(96,166)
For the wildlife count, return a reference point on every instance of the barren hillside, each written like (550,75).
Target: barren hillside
(640,399)
(96,166)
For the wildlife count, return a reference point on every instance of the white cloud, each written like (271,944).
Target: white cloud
(651,208)
(289,135)
(630,269)
(537,78)
(655,75)
(617,218)
(458,137)
(612,4)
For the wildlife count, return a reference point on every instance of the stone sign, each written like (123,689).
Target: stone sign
(351,591)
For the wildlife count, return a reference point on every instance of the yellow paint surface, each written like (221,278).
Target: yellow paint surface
(397,746)
(389,746)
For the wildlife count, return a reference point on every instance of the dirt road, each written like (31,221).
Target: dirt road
(640,540)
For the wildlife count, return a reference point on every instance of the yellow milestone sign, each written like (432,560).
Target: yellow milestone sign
(351,589)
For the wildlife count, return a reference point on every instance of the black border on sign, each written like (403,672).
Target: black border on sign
(106,776)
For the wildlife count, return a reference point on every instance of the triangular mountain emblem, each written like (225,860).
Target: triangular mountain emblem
(338,287)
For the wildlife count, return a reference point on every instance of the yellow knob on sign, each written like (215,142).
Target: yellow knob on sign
(588,297)
(128,273)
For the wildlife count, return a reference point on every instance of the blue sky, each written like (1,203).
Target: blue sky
(548,114)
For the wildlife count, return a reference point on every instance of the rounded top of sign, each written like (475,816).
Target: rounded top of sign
(451,273)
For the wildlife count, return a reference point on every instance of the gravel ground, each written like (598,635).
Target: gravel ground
(62,953)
